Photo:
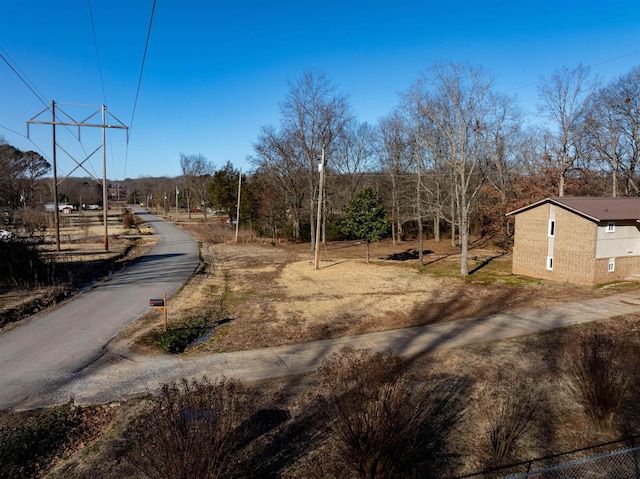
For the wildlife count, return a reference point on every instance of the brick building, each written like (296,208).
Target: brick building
(581,240)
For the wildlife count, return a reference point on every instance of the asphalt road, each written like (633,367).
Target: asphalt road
(42,354)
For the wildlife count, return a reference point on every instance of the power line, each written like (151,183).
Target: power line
(26,137)
(635,52)
(104,95)
(21,77)
(135,103)
(95,43)
(33,89)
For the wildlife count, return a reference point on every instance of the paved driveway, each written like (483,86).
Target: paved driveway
(44,353)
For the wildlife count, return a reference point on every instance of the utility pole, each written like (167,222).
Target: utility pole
(80,164)
(238,205)
(56,210)
(105,200)
(177,192)
(320,188)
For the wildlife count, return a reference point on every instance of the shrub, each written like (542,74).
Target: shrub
(128,220)
(597,373)
(192,430)
(27,449)
(383,422)
(509,412)
(33,221)
(23,265)
(176,339)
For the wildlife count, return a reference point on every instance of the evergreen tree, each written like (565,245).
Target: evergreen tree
(366,218)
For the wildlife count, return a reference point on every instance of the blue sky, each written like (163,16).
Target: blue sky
(216,71)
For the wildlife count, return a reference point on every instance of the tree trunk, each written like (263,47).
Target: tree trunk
(393,231)
(312,222)
(419,208)
(561,184)
(420,242)
(453,221)
(393,209)
(464,243)
(505,220)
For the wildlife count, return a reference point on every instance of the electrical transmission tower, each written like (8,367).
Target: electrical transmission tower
(55,121)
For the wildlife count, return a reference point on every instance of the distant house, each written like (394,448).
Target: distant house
(62,207)
(581,240)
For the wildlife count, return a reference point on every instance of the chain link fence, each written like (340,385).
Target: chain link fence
(606,461)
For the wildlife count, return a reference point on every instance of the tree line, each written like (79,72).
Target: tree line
(451,158)
(455,154)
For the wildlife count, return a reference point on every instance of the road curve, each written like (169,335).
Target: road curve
(46,351)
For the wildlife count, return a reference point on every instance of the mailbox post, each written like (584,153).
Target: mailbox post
(160,304)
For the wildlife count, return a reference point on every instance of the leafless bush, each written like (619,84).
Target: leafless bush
(215,232)
(382,421)
(597,373)
(128,221)
(192,430)
(32,221)
(509,411)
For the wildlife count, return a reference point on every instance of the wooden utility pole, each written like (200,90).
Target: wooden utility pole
(238,205)
(56,209)
(320,189)
(105,199)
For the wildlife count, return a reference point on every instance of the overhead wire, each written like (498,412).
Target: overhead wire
(104,95)
(34,90)
(26,137)
(135,102)
(635,52)
(95,43)
(5,57)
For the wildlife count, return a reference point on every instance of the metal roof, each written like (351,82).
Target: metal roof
(594,208)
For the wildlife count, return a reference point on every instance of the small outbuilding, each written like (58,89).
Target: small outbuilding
(581,240)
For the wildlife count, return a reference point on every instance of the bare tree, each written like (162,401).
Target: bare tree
(501,135)
(417,126)
(353,157)
(612,131)
(197,173)
(314,114)
(565,98)
(278,161)
(626,91)
(393,151)
(453,99)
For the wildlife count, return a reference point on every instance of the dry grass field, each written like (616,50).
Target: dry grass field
(270,295)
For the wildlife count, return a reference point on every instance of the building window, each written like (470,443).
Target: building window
(611,227)
(611,267)
(552,228)
(550,263)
